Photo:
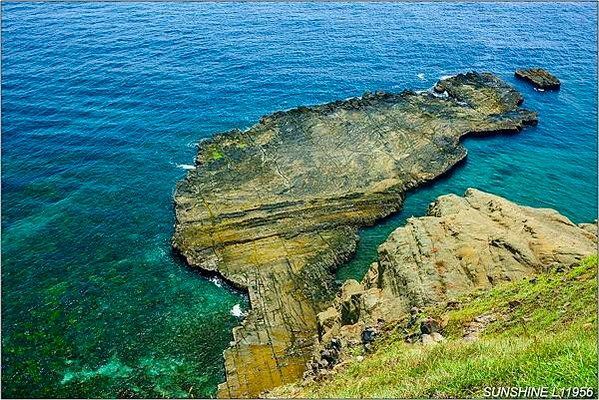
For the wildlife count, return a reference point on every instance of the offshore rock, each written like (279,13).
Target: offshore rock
(463,244)
(275,209)
(539,77)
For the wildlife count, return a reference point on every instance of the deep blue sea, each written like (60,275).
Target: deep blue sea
(102,104)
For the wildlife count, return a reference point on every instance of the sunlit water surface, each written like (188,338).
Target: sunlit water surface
(102,104)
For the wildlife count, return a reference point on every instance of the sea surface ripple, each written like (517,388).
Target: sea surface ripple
(102,104)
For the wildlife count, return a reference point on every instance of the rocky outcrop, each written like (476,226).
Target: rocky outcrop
(275,209)
(539,77)
(463,244)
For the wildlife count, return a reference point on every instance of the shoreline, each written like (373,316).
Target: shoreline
(272,344)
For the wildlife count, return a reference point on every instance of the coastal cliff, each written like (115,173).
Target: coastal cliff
(463,244)
(275,209)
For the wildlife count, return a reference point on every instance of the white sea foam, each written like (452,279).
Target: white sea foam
(443,95)
(446,77)
(186,166)
(216,281)
(421,77)
(236,311)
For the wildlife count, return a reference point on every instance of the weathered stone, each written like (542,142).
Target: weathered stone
(275,209)
(591,228)
(539,77)
(437,337)
(427,339)
(336,344)
(514,303)
(368,335)
(429,326)
(473,242)
(485,319)
(327,320)
(464,244)
(351,294)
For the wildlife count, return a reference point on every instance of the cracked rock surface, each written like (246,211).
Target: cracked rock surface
(275,209)
(463,244)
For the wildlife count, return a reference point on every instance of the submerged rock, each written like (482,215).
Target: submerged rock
(539,77)
(275,209)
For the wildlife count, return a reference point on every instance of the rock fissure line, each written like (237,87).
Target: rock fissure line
(383,145)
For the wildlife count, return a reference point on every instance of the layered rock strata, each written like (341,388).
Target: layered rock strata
(275,209)
(539,77)
(463,244)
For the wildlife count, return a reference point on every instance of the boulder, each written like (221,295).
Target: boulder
(437,337)
(429,326)
(474,242)
(427,339)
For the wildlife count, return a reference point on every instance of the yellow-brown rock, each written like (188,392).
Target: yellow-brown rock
(275,209)
(463,244)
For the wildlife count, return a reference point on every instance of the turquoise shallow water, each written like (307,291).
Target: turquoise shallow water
(102,104)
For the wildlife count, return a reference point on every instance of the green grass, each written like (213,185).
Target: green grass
(545,336)
(216,155)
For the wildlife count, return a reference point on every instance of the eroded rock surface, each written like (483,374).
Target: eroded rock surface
(275,209)
(539,77)
(463,244)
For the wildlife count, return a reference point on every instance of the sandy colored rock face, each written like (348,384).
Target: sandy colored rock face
(463,244)
(473,242)
(275,209)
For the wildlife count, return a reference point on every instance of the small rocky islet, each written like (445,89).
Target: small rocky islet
(275,209)
(539,77)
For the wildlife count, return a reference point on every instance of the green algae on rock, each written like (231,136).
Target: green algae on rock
(275,209)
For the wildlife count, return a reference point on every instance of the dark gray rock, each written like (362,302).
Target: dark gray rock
(429,325)
(539,77)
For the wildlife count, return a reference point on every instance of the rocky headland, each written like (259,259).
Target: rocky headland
(463,244)
(539,77)
(275,209)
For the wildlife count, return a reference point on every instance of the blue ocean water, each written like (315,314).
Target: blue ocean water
(102,104)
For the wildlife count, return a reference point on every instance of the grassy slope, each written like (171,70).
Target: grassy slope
(546,337)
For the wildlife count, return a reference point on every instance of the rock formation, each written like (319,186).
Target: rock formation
(539,77)
(463,244)
(275,209)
